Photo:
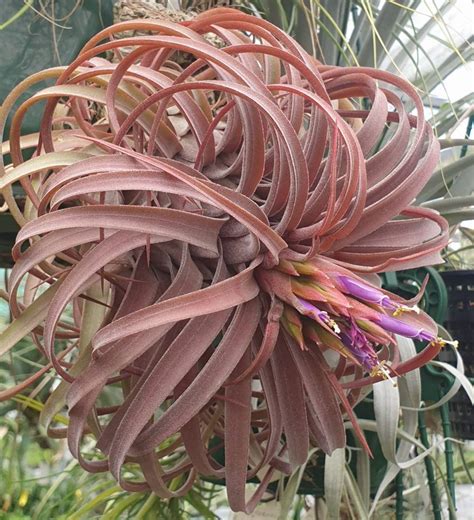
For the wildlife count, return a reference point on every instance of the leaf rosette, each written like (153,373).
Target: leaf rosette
(199,243)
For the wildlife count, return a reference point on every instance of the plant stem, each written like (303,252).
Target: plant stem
(429,469)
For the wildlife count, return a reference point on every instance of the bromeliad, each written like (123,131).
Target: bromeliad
(199,244)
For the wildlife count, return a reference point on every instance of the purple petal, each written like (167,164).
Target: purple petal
(365,292)
(356,341)
(399,327)
(308,309)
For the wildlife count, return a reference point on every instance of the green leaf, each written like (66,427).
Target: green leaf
(97,501)
(334,469)
(29,319)
(198,503)
(441,178)
(291,489)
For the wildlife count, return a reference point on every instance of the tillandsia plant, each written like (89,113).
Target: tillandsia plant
(199,243)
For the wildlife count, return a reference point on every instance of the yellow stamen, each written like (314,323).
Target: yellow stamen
(334,326)
(443,342)
(405,308)
(382,371)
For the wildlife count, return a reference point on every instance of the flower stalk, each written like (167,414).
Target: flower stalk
(330,308)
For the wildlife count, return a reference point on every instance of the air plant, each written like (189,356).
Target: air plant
(198,248)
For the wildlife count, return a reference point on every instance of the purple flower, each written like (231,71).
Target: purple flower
(356,341)
(366,292)
(404,329)
(322,317)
